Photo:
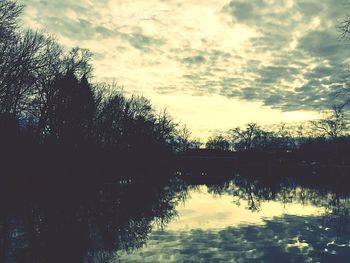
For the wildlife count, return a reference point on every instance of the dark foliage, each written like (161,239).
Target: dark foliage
(52,115)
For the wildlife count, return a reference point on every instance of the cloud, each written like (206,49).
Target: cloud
(285,54)
(304,60)
(322,44)
(140,41)
(198,59)
(84,21)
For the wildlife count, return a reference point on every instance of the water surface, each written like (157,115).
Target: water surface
(219,226)
(237,219)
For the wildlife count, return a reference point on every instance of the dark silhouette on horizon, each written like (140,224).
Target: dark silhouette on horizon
(52,115)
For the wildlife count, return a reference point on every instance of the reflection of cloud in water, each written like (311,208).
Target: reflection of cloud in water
(288,238)
(206,211)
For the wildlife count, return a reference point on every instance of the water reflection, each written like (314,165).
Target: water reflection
(282,239)
(205,210)
(249,219)
(87,225)
(241,219)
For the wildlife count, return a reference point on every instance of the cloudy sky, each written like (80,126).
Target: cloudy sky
(215,64)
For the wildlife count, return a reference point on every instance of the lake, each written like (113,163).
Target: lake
(236,219)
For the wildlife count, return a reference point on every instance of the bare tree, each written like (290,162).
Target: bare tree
(78,61)
(218,142)
(184,142)
(9,13)
(333,124)
(165,127)
(248,138)
(26,60)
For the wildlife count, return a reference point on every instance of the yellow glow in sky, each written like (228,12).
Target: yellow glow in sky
(205,115)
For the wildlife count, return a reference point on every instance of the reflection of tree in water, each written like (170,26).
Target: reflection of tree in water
(247,189)
(88,227)
(289,238)
(255,191)
(93,225)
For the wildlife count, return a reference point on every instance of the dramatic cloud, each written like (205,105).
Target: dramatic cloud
(282,54)
(302,61)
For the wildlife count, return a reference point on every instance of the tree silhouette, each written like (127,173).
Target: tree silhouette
(9,13)
(218,142)
(334,122)
(72,111)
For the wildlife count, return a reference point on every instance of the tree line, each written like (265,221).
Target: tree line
(49,101)
(47,97)
(327,137)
